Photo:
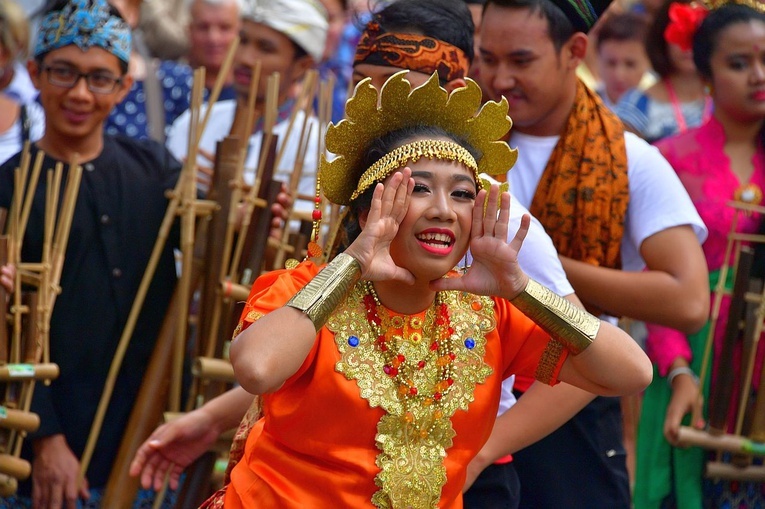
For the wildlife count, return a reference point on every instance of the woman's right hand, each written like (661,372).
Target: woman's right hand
(371,248)
(172,447)
(685,400)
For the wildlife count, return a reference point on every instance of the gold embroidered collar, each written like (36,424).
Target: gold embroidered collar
(415,433)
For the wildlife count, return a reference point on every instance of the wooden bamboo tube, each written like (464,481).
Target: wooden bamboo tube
(272,99)
(753,316)
(227,160)
(188,221)
(8,485)
(210,368)
(234,291)
(720,470)
(14,467)
(19,420)
(31,187)
(25,372)
(4,345)
(719,292)
(236,194)
(688,437)
(720,396)
(60,242)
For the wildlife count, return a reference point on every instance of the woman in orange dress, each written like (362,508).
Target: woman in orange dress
(380,372)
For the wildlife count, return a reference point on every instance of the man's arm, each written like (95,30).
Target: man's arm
(673,291)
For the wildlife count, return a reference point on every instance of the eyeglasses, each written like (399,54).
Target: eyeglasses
(98,81)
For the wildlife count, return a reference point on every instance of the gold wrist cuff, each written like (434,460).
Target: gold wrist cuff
(319,298)
(574,327)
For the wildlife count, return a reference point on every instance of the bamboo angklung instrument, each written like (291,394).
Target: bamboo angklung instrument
(35,289)
(183,202)
(153,397)
(720,394)
(743,330)
(196,488)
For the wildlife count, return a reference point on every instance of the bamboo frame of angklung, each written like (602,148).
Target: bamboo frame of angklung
(183,202)
(22,373)
(735,240)
(722,441)
(228,269)
(208,337)
(251,199)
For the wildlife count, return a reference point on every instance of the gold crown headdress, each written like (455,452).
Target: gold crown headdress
(459,113)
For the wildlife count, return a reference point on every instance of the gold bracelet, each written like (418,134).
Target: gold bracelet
(319,298)
(574,327)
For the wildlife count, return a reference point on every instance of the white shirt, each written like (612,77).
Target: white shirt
(657,200)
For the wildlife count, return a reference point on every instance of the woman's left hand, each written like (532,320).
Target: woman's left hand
(495,269)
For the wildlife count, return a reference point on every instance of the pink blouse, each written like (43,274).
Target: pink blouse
(699,158)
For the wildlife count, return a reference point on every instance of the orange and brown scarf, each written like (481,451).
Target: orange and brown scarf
(411,51)
(583,195)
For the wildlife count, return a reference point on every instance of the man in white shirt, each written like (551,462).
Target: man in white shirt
(636,212)
(285,36)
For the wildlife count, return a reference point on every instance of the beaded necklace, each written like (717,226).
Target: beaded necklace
(408,373)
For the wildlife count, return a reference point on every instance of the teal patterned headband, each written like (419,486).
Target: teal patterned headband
(84,23)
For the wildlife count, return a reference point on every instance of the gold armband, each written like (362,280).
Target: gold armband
(319,298)
(574,327)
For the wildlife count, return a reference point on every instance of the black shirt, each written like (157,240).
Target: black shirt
(120,207)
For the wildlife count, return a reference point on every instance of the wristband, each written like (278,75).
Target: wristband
(574,327)
(319,298)
(682,370)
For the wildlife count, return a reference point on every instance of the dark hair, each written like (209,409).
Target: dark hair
(446,20)
(377,149)
(656,45)
(706,37)
(626,26)
(559,27)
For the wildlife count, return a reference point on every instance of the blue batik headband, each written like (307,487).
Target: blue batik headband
(84,23)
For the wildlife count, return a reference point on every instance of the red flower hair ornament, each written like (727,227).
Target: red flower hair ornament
(684,20)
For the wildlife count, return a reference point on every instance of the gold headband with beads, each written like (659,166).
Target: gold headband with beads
(371,115)
(410,153)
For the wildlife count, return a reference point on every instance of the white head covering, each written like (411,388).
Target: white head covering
(303,21)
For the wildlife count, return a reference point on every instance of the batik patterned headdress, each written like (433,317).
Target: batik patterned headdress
(84,23)
(459,113)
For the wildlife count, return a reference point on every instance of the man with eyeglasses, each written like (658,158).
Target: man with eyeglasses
(80,68)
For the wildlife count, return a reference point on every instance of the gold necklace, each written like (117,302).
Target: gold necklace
(406,372)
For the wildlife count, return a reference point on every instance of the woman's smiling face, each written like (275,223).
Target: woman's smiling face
(435,232)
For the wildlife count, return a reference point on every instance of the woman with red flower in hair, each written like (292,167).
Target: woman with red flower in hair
(718,162)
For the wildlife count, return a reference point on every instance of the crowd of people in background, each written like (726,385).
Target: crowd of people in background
(636,124)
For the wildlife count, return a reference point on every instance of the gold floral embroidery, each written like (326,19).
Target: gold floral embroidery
(251,317)
(414,434)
